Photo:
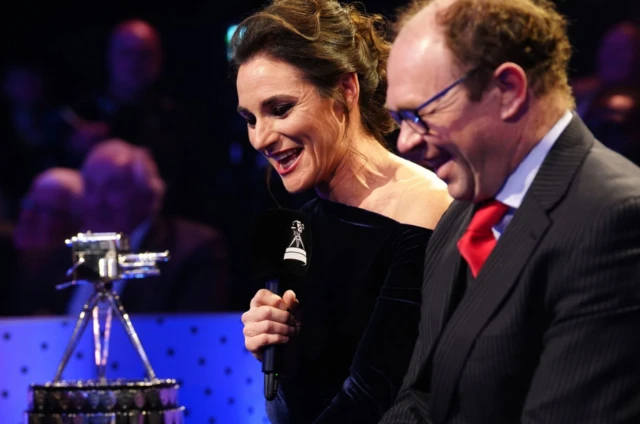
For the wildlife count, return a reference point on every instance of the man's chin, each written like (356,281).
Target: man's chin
(459,193)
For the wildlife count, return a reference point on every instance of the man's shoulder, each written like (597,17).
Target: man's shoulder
(607,177)
(451,222)
(603,183)
(457,211)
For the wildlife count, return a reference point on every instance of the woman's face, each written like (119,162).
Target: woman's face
(300,132)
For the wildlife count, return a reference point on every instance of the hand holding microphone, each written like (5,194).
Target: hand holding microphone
(271,319)
(281,251)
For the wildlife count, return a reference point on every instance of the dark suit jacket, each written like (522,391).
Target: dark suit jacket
(195,278)
(549,331)
(28,279)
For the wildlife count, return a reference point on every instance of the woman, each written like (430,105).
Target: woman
(311,86)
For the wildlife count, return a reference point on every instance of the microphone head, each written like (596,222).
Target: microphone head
(281,244)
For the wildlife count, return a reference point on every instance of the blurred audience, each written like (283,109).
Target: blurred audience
(39,258)
(24,148)
(50,212)
(617,64)
(614,118)
(134,107)
(41,146)
(124,193)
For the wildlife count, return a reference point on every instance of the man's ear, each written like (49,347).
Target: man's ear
(513,84)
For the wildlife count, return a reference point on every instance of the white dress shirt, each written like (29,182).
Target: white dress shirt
(514,189)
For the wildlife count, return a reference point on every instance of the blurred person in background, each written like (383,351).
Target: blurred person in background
(49,214)
(50,211)
(614,118)
(25,149)
(133,106)
(617,64)
(124,193)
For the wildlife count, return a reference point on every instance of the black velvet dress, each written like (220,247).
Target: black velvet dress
(360,302)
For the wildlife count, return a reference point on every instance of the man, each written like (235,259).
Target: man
(546,329)
(25,150)
(38,259)
(129,107)
(614,118)
(124,193)
(617,63)
(50,211)
(134,107)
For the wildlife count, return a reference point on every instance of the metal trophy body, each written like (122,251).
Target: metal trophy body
(101,259)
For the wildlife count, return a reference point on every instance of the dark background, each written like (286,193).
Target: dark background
(69,38)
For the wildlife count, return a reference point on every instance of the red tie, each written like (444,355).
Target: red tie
(478,241)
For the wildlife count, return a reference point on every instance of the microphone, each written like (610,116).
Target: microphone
(281,251)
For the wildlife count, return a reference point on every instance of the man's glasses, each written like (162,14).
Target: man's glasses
(412,117)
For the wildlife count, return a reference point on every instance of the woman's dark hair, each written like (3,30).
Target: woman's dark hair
(324,39)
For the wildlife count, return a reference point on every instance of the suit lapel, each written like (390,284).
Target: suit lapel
(440,298)
(442,264)
(484,295)
(504,266)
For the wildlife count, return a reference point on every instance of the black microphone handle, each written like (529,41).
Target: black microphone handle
(272,357)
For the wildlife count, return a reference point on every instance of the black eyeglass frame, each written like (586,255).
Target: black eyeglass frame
(412,116)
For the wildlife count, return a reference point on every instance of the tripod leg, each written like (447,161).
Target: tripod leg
(107,335)
(81,324)
(123,316)
(100,339)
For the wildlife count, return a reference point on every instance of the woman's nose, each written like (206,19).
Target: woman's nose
(263,135)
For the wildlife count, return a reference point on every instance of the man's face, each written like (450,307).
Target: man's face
(613,120)
(46,218)
(112,200)
(463,145)
(135,58)
(618,57)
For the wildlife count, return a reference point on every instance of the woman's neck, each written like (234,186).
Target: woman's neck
(365,167)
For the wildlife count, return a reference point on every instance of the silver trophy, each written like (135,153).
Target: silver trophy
(101,259)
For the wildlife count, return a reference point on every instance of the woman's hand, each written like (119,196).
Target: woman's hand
(269,320)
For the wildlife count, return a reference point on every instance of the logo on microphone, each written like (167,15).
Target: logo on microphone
(296,251)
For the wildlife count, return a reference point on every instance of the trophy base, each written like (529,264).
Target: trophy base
(105,402)
(173,416)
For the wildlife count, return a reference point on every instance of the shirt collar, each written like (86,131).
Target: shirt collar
(514,189)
